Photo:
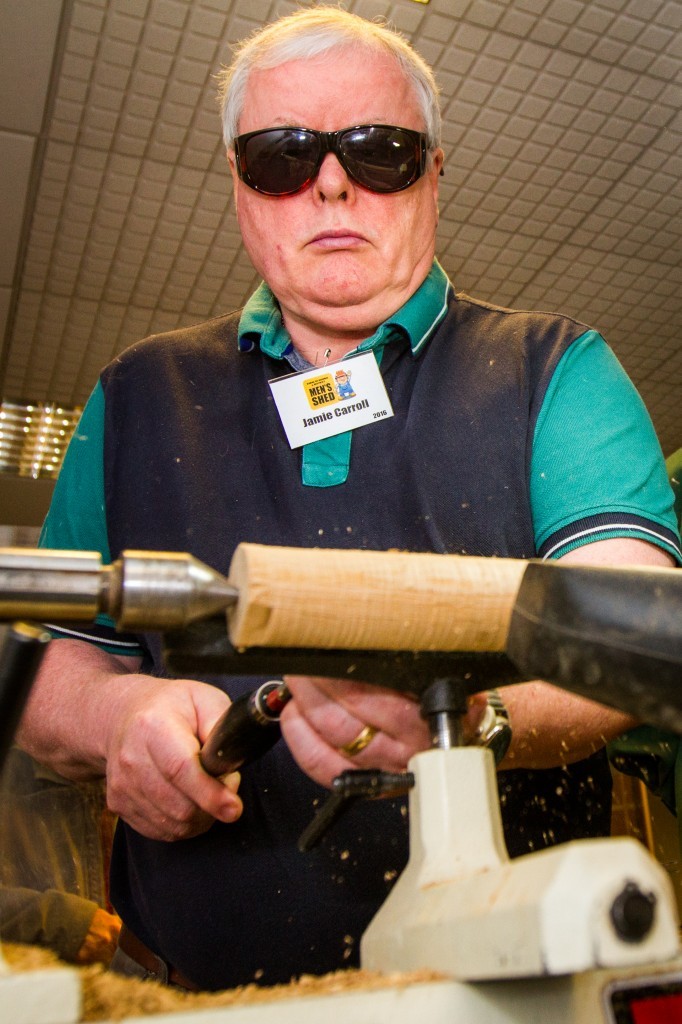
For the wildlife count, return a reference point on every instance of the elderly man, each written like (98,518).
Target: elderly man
(510,434)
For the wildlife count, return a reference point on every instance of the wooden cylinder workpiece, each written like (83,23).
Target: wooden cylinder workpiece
(374,600)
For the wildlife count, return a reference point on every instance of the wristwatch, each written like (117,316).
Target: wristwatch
(495,730)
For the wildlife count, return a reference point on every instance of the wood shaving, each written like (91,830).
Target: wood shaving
(112,997)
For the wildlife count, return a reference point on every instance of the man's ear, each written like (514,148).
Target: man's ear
(438,161)
(437,169)
(233,172)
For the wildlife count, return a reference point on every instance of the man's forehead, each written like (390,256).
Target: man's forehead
(346,86)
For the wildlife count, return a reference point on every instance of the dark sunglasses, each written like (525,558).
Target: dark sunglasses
(284,161)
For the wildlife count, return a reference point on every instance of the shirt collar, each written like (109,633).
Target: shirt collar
(261,320)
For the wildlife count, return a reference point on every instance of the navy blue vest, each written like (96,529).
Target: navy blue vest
(196,460)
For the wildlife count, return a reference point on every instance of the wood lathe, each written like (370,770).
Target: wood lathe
(584,933)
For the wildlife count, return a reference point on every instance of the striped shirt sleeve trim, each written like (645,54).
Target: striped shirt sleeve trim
(607,526)
(122,646)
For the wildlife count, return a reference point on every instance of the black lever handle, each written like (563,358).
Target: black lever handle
(22,651)
(347,788)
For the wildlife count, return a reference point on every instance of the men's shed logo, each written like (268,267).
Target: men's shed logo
(324,389)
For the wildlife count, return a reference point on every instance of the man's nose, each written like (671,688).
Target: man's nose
(332,182)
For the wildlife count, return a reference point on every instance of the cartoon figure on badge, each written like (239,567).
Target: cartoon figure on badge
(344,388)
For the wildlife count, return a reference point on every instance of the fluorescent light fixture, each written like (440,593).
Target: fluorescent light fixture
(34,437)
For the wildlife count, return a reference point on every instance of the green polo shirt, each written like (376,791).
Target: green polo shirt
(673,465)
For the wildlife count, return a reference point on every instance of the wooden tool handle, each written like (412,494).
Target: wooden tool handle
(380,600)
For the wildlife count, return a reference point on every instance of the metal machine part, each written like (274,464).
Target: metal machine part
(463,907)
(143,590)
(610,634)
(153,590)
(443,704)
(204,645)
(347,788)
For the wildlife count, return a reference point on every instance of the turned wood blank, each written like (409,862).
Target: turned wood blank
(378,600)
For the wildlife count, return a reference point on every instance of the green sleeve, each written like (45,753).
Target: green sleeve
(76,520)
(674,467)
(596,461)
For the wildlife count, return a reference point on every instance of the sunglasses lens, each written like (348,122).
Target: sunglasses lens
(283,161)
(382,158)
(279,161)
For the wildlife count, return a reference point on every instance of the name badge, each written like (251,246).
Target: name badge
(339,397)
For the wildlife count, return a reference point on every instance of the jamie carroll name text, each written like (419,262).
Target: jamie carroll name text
(341,410)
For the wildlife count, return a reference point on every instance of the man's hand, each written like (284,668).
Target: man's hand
(155,781)
(90,714)
(550,726)
(327,715)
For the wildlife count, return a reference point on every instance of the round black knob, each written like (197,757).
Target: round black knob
(446,695)
(632,913)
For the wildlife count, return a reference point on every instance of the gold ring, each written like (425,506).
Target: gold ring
(362,740)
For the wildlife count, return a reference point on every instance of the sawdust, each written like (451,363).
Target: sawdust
(110,997)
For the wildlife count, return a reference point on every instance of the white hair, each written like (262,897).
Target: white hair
(313,31)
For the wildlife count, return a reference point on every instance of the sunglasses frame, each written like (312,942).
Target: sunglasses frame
(330,142)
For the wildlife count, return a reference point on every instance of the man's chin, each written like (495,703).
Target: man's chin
(361,289)
(351,311)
